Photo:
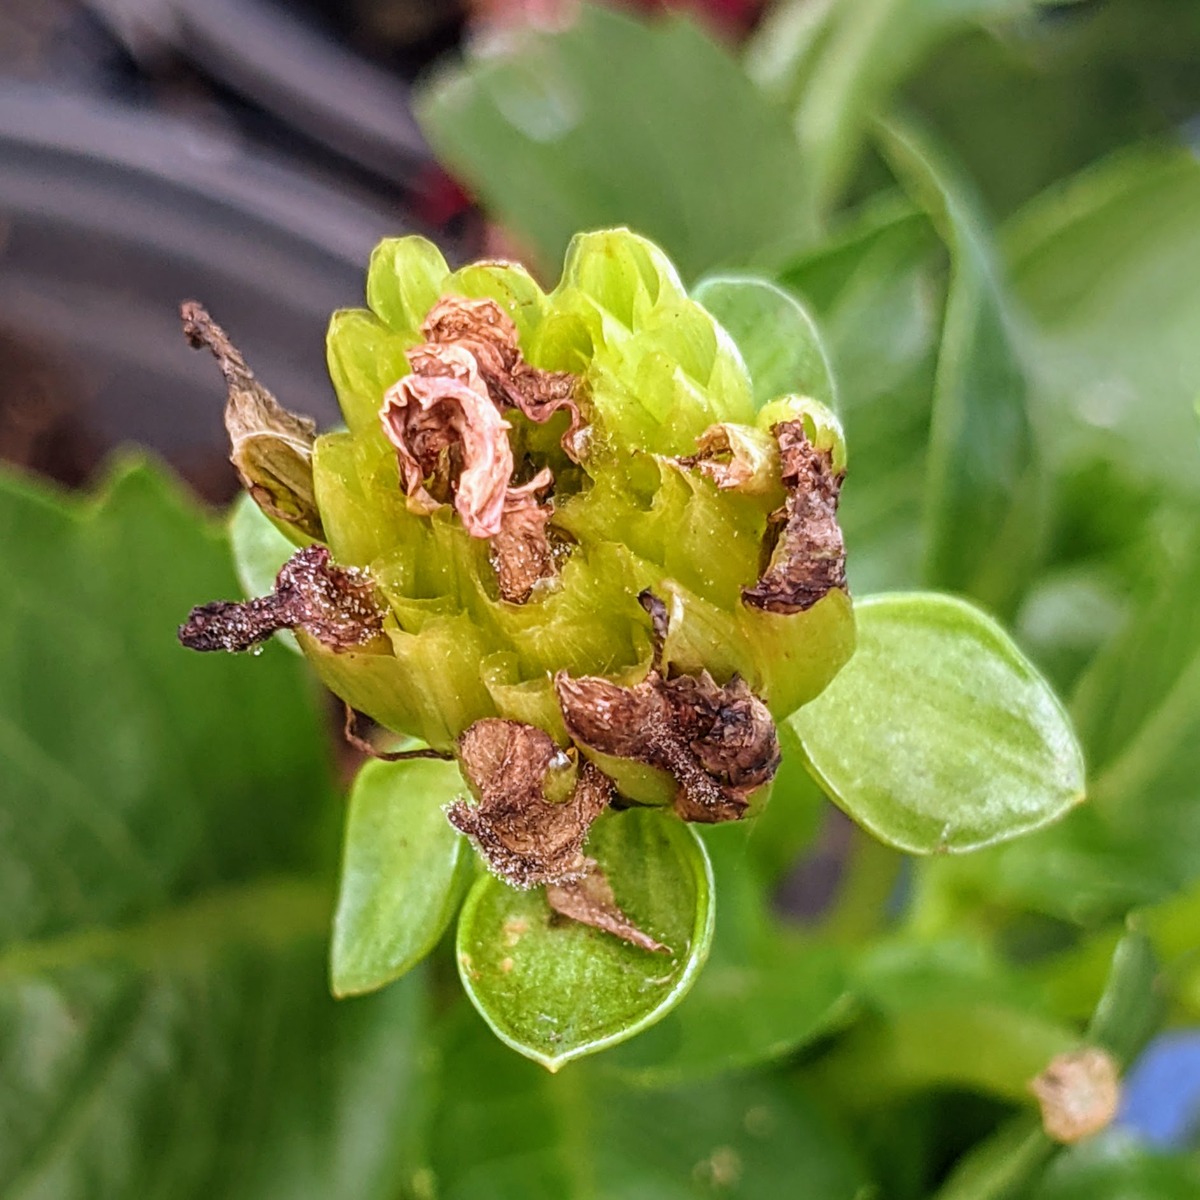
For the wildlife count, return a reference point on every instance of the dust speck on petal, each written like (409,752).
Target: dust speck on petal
(804,550)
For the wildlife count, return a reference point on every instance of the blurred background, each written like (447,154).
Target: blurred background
(249,154)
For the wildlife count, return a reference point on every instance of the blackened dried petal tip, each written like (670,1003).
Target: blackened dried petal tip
(804,551)
(335,605)
(523,837)
(718,742)
(590,901)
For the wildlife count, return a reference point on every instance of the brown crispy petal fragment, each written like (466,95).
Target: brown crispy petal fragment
(1079,1094)
(590,901)
(525,839)
(336,605)
(719,743)
(487,332)
(807,553)
(450,439)
(271,448)
(521,551)
(737,458)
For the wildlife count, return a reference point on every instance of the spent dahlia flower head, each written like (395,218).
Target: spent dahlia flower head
(562,538)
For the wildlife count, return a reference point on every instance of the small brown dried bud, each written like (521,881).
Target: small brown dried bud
(336,605)
(590,901)
(737,458)
(526,839)
(1078,1093)
(521,551)
(271,448)
(719,743)
(806,556)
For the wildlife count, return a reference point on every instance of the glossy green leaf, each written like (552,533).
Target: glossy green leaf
(765,991)
(984,492)
(505,1130)
(939,735)
(541,135)
(166,878)
(776,334)
(555,990)
(403,865)
(1109,266)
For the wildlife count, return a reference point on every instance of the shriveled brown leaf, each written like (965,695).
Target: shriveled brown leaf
(270,447)
(487,332)
(1078,1093)
(336,605)
(737,458)
(719,742)
(525,838)
(807,556)
(521,551)
(450,439)
(590,901)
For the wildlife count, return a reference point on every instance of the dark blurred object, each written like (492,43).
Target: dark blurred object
(109,217)
(301,70)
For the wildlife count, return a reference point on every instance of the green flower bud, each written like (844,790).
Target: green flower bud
(578,523)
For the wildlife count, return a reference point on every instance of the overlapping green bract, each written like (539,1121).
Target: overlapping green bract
(656,370)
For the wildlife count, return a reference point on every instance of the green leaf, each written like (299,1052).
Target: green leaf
(1131,1007)
(403,865)
(939,735)
(555,990)
(984,494)
(166,884)
(765,991)
(1115,1166)
(777,336)
(504,1130)
(539,132)
(840,63)
(1109,266)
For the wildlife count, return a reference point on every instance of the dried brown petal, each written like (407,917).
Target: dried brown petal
(807,556)
(526,839)
(487,332)
(352,730)
(271,448)
(336,605)
(521,551)
(1078,1093)
(450,439)
(719,743)
(590,901)
(737,458)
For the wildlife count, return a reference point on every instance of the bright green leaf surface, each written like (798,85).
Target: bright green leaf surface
(939,735)
(777,336)
(983,496)
(402,865)
(166,1024)
(1109,266)
(540,133)
(765,991)
(555,990)
(513,1132)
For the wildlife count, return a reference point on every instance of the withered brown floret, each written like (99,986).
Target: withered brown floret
(719,742)
(336,605)
(270,447)
(590,901)
(485,330)
(526,839)
(804,551)
(737,458)
(521,551)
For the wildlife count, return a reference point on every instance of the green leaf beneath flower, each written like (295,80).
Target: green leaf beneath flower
(403,865)
(939,735)
(554,989)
